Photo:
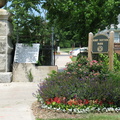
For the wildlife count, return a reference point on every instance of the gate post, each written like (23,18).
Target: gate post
(90,46)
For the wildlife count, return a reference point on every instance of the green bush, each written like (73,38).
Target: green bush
(83,79)
(105,60)
(83,67)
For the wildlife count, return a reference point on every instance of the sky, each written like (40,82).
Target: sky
(43,12)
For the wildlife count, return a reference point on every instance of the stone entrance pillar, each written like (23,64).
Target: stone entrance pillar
(5,46)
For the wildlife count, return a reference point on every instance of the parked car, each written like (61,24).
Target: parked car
(75,52)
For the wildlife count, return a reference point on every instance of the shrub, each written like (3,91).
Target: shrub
(84,88)
(82,80)
(83,67)
(61,85)
(83,84)
(114,83)
(105,59)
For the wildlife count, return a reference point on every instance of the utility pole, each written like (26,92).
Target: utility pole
(52,49)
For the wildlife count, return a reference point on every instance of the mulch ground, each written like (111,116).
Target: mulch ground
(46,114)
(41,113)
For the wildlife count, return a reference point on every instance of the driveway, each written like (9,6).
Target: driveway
(61,61)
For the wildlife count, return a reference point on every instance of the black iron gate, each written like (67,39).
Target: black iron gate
(47,55)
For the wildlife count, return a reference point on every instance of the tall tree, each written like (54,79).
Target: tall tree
(79,17)
(28,23)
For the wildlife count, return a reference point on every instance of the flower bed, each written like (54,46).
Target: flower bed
(80,106)
(85,86)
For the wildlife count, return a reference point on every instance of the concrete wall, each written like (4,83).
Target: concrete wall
(23,72)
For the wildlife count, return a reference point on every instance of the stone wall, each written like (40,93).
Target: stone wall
(5,46)
(5,42)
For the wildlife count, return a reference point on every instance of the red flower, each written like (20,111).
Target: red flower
(80,101)
(86,102)
(48,102)
(57,100)
(51,100)
(110,103)
(96,101)
(100,102)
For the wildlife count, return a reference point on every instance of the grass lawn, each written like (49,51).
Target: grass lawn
(66,49)
(95,116)
(73,58)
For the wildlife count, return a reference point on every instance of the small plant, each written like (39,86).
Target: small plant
(30,76)
(53,73)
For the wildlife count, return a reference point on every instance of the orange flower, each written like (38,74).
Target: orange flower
(81,104)
(96,101)
(72,102)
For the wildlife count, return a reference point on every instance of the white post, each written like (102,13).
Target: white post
(111,50)
(58,49)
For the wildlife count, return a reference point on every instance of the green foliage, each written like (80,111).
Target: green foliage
(75,19)
(28,24)
(83,79)
(65,43)
(53,73)
(105,60)
(116,63)
(73,58)
(83,67)
(30,76)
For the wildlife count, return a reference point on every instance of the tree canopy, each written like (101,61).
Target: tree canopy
(29,27)
(74,19)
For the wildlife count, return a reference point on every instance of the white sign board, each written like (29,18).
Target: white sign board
(26,54)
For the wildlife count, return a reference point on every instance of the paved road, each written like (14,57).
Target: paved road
(62,60)
(16,97)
